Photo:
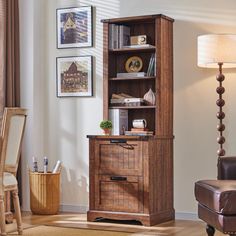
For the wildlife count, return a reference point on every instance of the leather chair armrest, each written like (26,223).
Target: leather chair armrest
(227,168)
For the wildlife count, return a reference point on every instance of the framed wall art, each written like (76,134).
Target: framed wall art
(74,27)
(74,76)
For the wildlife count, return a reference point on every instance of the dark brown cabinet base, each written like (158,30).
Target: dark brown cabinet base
(131,179)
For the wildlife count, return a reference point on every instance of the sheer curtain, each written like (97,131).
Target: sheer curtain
(9,54)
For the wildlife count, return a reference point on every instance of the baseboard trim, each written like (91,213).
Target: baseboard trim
(74,209)
(186,216)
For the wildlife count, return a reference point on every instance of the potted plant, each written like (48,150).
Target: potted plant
(106,125)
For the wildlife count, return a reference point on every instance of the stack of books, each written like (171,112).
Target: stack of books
(119,36)
(139,132)
(127,102)
(131,75)
(123,99)
(119,119)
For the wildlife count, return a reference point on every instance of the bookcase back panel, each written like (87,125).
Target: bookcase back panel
(112,65)
(144,29)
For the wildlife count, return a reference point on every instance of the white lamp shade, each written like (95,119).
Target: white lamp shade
(217,48)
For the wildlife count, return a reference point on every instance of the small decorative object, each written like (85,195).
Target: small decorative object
(106,125)
(139,123)
(133,64)
(57,167)
(74,76)
(150,97)
(138,40)
(45,165)
(35,164)
(74,27)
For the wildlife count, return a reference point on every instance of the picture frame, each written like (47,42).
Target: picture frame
(74,76)
(74,27)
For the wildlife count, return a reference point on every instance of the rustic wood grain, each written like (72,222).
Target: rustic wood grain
(142,189)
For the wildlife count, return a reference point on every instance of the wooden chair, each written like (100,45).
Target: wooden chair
(13,125)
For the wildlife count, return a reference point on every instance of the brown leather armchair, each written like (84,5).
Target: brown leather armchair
(217,199)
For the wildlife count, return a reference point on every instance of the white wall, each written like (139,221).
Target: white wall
(57,127)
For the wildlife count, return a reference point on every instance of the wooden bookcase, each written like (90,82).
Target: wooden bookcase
(131,177)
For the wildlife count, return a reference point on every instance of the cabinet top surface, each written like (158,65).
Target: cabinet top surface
(127,137)
(137,18)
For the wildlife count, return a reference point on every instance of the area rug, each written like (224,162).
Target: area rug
(60,231)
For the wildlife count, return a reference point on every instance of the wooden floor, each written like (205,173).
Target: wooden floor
(173,228)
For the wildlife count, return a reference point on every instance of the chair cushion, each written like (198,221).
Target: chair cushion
(9,179)
(217,195)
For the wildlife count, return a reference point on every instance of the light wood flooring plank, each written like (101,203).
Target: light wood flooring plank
(172,228)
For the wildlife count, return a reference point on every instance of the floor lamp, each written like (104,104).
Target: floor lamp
(217,51)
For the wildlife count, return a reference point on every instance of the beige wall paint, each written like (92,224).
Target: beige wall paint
(60,125)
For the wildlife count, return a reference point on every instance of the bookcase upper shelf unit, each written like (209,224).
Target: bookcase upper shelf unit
(158,30)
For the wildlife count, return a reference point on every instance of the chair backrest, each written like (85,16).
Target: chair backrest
(227,168)
(13,126)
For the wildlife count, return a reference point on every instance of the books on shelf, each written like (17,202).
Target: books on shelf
(139,133)
(152,66)
(121,95)
(131,75)
(119,119)
(119,36)
(124,36)
(113,36)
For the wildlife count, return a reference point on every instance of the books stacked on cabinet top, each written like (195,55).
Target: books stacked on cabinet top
(139,132)
(123,99)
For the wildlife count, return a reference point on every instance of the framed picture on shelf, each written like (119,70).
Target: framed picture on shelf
(74,27)
(74,76)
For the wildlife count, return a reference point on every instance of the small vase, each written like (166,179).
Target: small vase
(150,97)
(106,131)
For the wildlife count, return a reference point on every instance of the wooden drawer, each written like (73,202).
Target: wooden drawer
(119,193)
(118,158)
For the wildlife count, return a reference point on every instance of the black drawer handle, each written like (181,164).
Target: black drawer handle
(122,143)
(118,141)
(118,178)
